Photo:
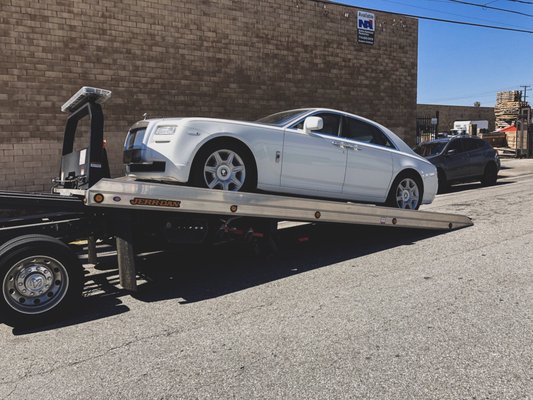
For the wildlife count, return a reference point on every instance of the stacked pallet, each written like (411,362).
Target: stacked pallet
(511,140)
(496,139)
(507,108)
(507,111)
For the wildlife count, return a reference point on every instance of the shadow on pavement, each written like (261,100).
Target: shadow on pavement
(194,274)
(463,187)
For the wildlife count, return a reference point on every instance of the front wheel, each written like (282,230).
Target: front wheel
(406,192)
(224,166)
(41,278)
(444,186)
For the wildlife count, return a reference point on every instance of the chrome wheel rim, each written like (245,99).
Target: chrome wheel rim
(407,194)
(224,169)
(35,284)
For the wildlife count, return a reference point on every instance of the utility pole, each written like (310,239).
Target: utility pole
(526,134)
(526,87)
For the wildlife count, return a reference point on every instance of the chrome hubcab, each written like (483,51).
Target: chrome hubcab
(407,194)
(224,169)
(35,284)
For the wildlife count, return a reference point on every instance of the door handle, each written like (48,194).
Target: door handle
(351,147)
(345,146)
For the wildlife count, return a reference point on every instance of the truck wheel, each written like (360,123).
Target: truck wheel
(41,279)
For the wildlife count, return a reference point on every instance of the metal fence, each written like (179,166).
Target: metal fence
(426,129)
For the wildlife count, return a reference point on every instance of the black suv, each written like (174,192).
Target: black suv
(461,159)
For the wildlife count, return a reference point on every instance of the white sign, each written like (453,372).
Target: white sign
(366,21)
(366,26)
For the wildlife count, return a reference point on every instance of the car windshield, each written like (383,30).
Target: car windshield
(430,149)
(282,118)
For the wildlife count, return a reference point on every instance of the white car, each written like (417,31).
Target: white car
(312,152)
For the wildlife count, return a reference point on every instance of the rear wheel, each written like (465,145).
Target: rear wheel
(41,278)
(490,175)
(225,166)
(406,192)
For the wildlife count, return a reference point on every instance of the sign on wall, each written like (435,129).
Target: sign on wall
(366,24)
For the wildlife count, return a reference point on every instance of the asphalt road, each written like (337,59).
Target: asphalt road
(353,313)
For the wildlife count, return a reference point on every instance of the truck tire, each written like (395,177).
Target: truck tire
(41,279)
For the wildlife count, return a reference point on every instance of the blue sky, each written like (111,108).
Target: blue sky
(459,64)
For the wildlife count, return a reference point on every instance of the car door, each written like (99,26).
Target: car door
(369,166)
(455,160)
(474,149)
(314,162)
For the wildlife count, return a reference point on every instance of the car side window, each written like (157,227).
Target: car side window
(364,132)
(331,124)
(473,144)
(455,145)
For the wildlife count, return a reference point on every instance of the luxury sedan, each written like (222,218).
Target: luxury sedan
(461,159)
(312,152)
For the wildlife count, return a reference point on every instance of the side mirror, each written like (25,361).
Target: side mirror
(313,124)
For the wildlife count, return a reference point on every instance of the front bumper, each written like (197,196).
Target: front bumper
(431,185)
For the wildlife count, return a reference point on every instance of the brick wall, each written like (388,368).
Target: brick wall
(222,58)
(449,114)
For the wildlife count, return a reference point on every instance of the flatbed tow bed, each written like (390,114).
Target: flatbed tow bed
(124,193)
(41,275)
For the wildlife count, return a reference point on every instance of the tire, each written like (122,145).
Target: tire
(444,186)
(490,176)
(406,192)
(41,279)
(224,165)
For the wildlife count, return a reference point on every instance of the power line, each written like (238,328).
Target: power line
(521,1)
(492,8)
(480,95)
(449,21)
(448,13)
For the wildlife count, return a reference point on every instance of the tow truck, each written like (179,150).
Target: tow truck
(40,271)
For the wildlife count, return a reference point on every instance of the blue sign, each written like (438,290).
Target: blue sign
(366,25)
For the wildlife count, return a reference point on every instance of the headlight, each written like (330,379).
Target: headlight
(165,130)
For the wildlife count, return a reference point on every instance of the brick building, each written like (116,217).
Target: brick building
(449,114)
(222,58)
